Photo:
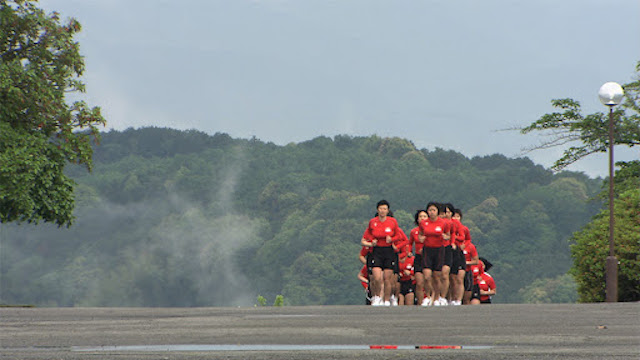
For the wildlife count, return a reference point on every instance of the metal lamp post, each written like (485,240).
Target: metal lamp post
(611,95)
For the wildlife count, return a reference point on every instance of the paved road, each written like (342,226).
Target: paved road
(562,331)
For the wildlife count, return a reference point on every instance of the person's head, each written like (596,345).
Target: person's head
(448,210)
(476,270)
(441,210)
(420,216)
(433,209)
(457,214)
(383,208)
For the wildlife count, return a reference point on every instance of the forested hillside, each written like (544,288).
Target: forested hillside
(182,218)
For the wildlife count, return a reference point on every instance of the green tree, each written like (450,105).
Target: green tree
(561,289)
(166,223)
(590,131)
(307,279)
(591,245)
(40,64)
(279,301)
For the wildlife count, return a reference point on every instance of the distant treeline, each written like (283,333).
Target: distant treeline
(183,218)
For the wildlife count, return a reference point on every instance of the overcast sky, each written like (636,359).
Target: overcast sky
(447,74)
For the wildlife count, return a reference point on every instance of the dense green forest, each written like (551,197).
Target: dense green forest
(183,218)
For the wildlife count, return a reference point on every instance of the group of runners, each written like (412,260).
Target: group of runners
(437,265)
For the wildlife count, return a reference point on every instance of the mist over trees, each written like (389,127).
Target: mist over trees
(183,218)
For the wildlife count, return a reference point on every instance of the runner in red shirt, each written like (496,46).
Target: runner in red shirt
(407,280)
(418,264)
(400,241)
(363,276)
(375,288)
(446,212)
(434,230)
(487,287)
(380,233)
(471,259)
(364,256)
(458,267)
(484,285)
(398,244)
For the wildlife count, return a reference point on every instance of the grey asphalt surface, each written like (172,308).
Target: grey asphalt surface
(553,331)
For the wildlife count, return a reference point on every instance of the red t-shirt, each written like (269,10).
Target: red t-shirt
(413,240)
(379,230)
(407,264)
(486,283)
(453,228)
(400,241)
(366,250)
(470,252)
(462,233)
(467,235)
(433,230)
(367,236)
(364,272)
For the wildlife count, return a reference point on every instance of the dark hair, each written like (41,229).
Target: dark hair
(487,264)
(415,218)
(459,212)
(433,203)
(441,209)
(449,206)
(384,202)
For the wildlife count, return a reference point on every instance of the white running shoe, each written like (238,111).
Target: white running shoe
(426,302)
(376,301)
(456,303)
(387,303)
(440,302)
(394,300)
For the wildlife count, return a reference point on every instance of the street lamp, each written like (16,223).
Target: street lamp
(611,95)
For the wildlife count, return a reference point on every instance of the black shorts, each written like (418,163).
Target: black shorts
(448,256)
(433,258)
(369,262)
(468,281)
(384,257)
(459,262)
(475,292)
(407,287)
(418,265)
(488,301)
